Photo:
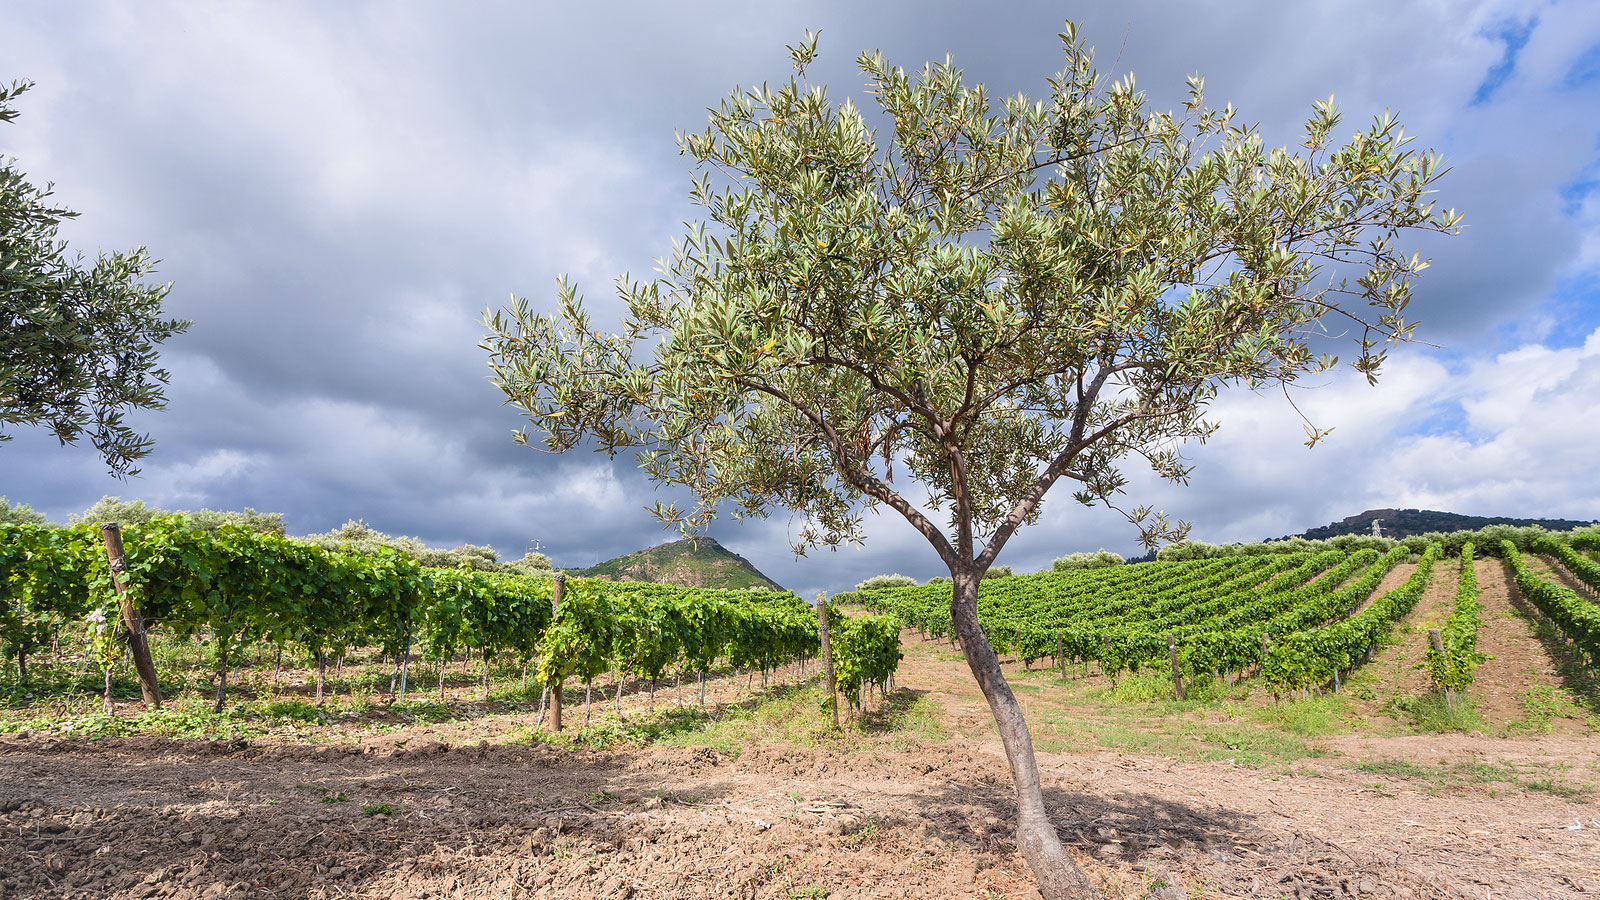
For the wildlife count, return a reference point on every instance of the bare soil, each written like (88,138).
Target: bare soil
(1517,660)
(1400,668)
(152,818)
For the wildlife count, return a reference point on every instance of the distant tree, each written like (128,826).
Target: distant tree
(1097,560)
(259,522)
(886,581)
(472,556)
(20,514)
(136,512)
(77,343)
(358,536)
(531,563)
(116,509)
(983,302)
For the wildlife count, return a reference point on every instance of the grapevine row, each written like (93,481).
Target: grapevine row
(1305,658)
(1586,570)
(1578,618)
(1455,667)
(243,587)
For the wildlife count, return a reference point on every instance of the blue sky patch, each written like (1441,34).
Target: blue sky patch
(1515,34)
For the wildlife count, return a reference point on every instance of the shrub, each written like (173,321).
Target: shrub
(886,581)
(1099,559)
(20,514)
(531,564)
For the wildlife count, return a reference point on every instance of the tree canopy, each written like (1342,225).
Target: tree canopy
(991,300)
(77,341)
(982,297)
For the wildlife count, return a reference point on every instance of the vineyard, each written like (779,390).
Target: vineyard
(1298,621)
(374,796)
(235,589)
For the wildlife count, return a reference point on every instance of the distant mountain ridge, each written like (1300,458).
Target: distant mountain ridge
(691,562)
(1404,523)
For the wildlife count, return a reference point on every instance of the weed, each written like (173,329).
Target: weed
(1431,713)
(378,809)
(1558,788)
(1310,717)
(340,797)
(867,834)
(1542,704)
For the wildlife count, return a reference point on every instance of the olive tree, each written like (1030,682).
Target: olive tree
(975,300)
(77,342)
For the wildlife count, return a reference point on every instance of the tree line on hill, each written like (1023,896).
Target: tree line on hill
(1404,523)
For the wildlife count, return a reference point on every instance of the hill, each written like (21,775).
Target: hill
(692,562)
(1403,523)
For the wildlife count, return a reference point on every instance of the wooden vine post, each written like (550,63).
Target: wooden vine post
(1177,676)
(827,657)
(555,682)
(138,642)
(1437,642)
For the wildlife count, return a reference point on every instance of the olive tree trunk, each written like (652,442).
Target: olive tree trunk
(1059,877)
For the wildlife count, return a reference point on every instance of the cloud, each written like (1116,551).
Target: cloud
(338,191)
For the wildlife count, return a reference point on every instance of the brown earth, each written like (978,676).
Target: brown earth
(1398,670)
(150,818)
(1517,662)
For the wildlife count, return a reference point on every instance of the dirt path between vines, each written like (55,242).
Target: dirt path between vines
(1392,579)
(1396,667)
(1517,662)
(150,818)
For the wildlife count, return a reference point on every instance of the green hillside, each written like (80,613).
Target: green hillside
(692,562)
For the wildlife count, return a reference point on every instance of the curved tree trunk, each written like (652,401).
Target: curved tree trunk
(1059,877)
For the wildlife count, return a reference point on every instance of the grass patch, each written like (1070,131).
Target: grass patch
(1180,739)
(907,713)
(1431,714)
(792,714)
(1311,717)
(1253,747)
(1449,777)
(424,711)
(1542,704)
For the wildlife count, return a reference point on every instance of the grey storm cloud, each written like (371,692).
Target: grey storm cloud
(339,190)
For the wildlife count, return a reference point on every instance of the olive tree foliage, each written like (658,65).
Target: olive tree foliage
(886,581)
(1100,559)
(358,537)
(111,508)
(77,342)
(20,514)
(977,298)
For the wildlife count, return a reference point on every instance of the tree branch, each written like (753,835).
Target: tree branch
(859,475)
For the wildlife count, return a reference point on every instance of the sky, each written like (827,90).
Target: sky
(337,192)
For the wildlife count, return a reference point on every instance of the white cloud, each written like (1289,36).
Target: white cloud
(192,484)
